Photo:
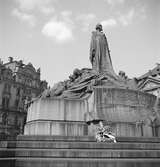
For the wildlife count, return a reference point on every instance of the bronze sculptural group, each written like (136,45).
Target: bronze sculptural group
(105,95)
(81,82)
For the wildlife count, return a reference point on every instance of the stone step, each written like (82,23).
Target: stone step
(55,138)
(79,153)
(87,162)
(8,144)
(4,152)
(7,162)
(78,144)
(79,162)
(85,145)
(85,138)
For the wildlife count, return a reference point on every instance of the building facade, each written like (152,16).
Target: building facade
(150,81)
(19,83)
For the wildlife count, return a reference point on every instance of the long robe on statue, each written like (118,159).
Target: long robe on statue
(99,53)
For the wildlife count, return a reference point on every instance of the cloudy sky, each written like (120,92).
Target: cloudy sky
(55,34)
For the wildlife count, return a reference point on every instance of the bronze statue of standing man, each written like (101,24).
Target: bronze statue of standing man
(99,52)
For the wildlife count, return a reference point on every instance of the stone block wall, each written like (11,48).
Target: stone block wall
(51,116)
(128,112)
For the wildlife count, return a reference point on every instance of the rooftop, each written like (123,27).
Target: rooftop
(154,72)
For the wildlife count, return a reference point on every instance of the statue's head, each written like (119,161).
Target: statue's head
(99,27)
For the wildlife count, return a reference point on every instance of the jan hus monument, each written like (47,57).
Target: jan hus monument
(74,106)
(61,127)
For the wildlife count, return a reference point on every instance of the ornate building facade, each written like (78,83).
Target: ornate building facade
(19,83)
(150,81)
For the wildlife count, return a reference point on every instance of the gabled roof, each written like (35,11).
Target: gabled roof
(150,79)
(151,73)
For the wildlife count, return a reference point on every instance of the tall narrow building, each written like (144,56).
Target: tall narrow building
(19,83)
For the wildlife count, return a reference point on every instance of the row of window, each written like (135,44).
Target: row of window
(6,100)
(7,89)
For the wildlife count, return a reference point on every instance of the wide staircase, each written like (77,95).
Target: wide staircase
(65,151)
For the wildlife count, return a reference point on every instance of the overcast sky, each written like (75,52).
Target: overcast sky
(55,34)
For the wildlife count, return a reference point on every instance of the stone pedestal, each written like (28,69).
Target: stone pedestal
(127,112)
(51,116)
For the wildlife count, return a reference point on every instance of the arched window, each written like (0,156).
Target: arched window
(5,102)
(18,91)
(16,103)
(7,88)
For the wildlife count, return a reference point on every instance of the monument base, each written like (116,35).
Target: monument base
(126,129)
(51,116)
(53,127)
(128,113)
